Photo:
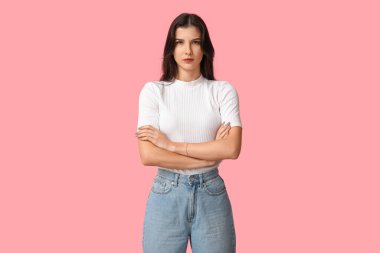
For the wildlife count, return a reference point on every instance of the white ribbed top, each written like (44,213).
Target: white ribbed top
(189,111)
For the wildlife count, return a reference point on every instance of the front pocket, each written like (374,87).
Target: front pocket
(161,185)
(215,186)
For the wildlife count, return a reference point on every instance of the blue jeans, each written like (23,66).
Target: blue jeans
(182,207)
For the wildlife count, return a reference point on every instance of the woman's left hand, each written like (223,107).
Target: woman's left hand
(149,133)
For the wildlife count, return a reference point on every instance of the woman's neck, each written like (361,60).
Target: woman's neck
(188,76)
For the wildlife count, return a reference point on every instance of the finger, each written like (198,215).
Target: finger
(220,135)
(224,135)
(146,138)
(146,127)
(143,138)
(144,131)
(221,128)
(226,130)
(149,129)
(144,135)
(139,134)
(222,132)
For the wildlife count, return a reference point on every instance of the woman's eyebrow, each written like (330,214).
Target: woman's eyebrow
(192,40)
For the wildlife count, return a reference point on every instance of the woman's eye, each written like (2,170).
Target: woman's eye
(180,42)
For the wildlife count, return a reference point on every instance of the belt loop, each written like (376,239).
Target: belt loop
(200,180)
(176,176)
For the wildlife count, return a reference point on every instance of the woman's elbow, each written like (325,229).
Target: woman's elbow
(235,153)
(145,162)
(234,156)
(145,152)
(145,159)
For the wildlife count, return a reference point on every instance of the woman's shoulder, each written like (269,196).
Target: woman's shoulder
(221,90)
(154,88)
(220,85)
(155,84)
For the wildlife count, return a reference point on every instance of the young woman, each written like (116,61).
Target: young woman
(188,123)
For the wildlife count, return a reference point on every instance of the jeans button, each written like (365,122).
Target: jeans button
(191,180)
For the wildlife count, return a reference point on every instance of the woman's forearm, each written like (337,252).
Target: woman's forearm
(154,156)
(227,148)
(212,150)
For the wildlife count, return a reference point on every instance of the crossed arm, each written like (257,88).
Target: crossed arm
(156,150)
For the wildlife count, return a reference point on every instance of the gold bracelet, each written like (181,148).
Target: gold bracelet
(187,144)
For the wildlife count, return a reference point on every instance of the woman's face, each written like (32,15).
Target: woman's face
(188,45)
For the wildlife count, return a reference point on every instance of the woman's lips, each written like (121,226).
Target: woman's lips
(188,60)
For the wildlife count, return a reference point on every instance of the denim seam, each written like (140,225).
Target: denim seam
(223,190)
(212,179)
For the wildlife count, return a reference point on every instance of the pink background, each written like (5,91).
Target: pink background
(307,74)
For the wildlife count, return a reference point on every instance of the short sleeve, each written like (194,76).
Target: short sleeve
(229,104)
(148,107)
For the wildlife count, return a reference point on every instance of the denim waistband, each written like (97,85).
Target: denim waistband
(188,179)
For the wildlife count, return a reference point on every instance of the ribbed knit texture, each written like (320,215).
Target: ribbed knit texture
(189,111)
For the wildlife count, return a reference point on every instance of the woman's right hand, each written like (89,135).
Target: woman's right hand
(223,131)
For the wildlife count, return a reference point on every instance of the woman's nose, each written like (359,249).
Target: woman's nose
(188,49)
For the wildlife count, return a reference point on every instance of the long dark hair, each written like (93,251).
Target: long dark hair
(169,65)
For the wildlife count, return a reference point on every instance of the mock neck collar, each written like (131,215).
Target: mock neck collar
(197,81)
